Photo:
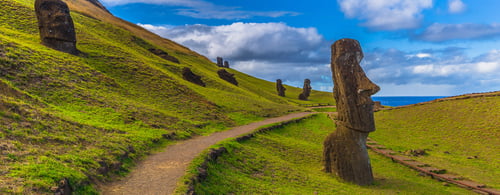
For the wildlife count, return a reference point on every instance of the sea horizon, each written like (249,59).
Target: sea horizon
(404,100)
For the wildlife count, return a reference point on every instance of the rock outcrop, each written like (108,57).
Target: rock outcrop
(188,75)
(306,90)
(280,88)
(57,30)
(345,151)
(223,74)
(162,54)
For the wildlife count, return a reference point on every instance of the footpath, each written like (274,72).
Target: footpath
(159,173)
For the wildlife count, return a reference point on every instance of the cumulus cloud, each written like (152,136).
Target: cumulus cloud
(205,10)
(445,67)
(446,32)
(267,50)
(275,42)
(386,14)
(456,6)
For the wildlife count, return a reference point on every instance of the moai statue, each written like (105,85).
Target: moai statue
(306,90)
(229,77)
(220,62)
(188,75)
(345,151)
(57,30)
(226,64)
(280,88)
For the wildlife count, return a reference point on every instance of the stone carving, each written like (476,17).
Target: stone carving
(280,88)
(223,74)
(226,64)
(188,75)
(306,90)
(57,30)
(345,151)
(220,62)
(162,54)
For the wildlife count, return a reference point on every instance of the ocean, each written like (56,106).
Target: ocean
(403,100)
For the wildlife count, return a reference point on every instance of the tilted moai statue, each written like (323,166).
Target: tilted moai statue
(280,88)
(188,75)
(227,76)
(306,90)
(220,62)
(57,30)
(345,151)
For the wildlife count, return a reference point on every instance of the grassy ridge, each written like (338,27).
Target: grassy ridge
(461,136)
(287,160)
(90,116)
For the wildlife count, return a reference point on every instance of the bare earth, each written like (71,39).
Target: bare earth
(159,173)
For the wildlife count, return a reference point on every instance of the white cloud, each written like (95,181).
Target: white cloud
(386,14)
(445,32)
(205,10)
(249,41)
(456,6)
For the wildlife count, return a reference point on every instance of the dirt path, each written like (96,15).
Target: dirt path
(159,173)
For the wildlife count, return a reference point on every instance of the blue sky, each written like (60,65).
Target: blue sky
(411,47)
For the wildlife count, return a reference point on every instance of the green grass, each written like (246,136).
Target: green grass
(451,132)
(111,105)
(287,160)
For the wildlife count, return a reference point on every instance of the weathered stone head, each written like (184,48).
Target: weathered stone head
(188,75)
(229,77)
(280,88)
(306,90)
(220,62)
(352,89)
(57,30)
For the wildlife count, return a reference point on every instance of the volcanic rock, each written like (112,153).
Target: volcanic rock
(345,151)
(229,77)
(226,64)
(57,30)
(188,75)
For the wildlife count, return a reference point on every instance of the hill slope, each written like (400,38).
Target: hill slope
(89,116)
(459,134)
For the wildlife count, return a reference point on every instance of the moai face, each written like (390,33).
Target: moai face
(352,89)
(54,20)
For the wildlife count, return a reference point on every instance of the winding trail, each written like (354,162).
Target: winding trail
(159,173)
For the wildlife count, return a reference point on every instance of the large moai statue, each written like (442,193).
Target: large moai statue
(306,90)
(345,151)
(220,62)
(57,30)
(226,64)
(280,88)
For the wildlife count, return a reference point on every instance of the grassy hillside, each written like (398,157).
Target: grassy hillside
(90,116)
(459,135)
(287,160)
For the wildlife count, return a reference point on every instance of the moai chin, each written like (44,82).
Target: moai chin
(345,152)
(57,30)
(280,88)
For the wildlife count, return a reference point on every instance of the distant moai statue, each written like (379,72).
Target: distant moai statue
(220,62)
(227,76)
(344,151)
(57,30)
(188,75)
(306,90)
(226,64)
(280,88)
